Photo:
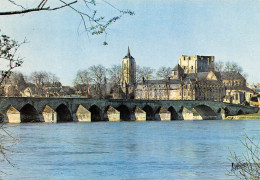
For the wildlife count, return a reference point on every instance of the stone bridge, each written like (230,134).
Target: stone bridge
(27,109)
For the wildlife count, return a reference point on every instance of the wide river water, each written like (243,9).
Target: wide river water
(126,150)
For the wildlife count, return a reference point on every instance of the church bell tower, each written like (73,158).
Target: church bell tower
(128,74)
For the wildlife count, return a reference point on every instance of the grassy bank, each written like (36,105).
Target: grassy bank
(245,116)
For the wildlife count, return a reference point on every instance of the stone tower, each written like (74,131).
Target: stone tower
(196,63)
(128,75)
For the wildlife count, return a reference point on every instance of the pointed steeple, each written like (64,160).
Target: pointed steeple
(128,53)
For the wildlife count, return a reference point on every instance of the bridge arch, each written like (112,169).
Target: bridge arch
(181,109)
(240,112)
(63,114)
(149,112)
(174,114)
(226,111)
(206,112)
(124,113)
(28,113)
(96,113)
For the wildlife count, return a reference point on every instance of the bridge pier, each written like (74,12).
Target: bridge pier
(163,115)
(13,115)
(190,114)
(112,114)
(139,114)
(82,115)
(49,115)
(221,114)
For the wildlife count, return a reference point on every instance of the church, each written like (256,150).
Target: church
(193,78)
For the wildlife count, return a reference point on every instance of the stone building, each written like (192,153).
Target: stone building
(128,75)
(193,86)
(158,89)
(236,90)
(192,79)
(202,86)
(196,63)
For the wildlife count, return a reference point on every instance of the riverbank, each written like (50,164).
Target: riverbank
(244,116)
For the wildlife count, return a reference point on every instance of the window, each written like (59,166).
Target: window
(191,67)
(175,73)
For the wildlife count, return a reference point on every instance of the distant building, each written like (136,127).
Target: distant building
(236,90)
(158,89)
(194,78)
(196,63)
(193,86)
(128,75)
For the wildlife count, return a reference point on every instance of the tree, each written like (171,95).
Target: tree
(247,166)
(6,142)
(232,72)
(165,73)
(16,84)
(82,82)
(43,78)
(144,72)
(44,81)
(93,23)
(98,75)
(219,66)
(115,75)
(9,56)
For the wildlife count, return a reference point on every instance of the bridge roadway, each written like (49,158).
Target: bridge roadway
(29,109)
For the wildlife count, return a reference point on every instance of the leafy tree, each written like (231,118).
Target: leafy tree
(9,56)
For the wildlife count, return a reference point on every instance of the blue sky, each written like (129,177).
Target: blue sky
(157,35)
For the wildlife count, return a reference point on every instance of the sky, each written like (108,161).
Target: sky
(158,33)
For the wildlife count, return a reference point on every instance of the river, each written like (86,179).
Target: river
(126,150)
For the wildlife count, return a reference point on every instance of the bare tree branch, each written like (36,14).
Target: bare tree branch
(39,8)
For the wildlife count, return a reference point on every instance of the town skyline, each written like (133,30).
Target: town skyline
(227,30)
